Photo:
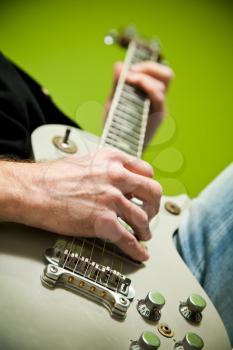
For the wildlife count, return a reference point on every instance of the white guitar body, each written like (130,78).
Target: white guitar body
(33,317)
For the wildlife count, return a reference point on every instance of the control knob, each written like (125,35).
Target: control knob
(191,341)
(147,341)
(192,309)
(150,307)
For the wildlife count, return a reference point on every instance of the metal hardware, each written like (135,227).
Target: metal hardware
(192,309)
(53,269)
(57,276)
(64,143)
(150,307)
(165,330)
(71,270)
(172,208)
(147,341)
(191,341)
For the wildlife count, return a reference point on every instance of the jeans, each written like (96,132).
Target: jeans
(205,242)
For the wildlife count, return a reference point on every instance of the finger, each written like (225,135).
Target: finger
(155,89)
(134,216)
(155,70)
(139,166)
(145,189)
(131,246)
(110,228)
(128,162)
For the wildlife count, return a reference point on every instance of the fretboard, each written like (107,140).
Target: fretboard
(127,118)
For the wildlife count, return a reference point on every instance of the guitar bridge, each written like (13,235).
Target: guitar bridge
(70,268)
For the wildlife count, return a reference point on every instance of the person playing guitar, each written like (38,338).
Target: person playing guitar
(80,194)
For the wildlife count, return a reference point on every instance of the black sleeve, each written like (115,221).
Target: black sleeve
(23,107)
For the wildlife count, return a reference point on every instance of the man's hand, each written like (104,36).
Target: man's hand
(83,196)
(152,78)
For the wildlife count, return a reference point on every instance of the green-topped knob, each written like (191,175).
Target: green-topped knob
(196,303)
(155,300)
(149,341)
(192,341)
(192,309)
(150,306)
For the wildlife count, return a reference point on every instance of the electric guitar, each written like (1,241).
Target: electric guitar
(60,293)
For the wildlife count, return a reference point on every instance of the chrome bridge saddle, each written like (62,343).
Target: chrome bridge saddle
(96,277)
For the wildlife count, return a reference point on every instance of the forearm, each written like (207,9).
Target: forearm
(17,191)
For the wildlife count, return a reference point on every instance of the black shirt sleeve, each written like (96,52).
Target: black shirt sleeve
(23,107)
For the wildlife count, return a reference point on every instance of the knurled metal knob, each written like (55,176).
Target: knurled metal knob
(155,300)
(196,303)
(150,306)
(149,341)
(192,309)
(192,341)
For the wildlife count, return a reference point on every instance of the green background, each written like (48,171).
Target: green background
(61,44)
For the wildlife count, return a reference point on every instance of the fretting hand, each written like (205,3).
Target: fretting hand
(152,78)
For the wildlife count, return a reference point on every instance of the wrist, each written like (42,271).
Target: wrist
(19,195)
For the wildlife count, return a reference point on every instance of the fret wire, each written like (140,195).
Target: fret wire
(136,106)
(133,97)
(129,112)
(126,136)
(128,130)
(133,104)
(130,53)
(134,90)
(133,100)
(120,147)
(119,140)
(115,145)
(123,119)
(130,118)
(123,127)
(132,113)
(124,143)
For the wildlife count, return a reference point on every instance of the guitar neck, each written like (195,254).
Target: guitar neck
(127,118)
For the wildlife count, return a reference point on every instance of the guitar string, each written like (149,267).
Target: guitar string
(113,250)
(79,256)
(121,81)
(120,271)
(90,258)
(70,248)
(69,251)
(104,246)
